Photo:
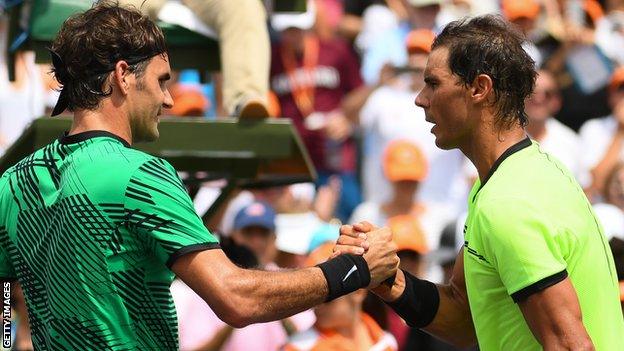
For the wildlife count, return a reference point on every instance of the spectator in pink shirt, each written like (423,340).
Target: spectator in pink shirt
(253,240)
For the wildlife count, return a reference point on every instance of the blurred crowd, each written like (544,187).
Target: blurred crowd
(346,72)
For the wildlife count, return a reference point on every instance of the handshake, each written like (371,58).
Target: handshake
(376,247)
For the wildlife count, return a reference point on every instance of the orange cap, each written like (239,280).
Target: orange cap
(617,78)
(403,160)
(274,105)
(419,40)
(593,9)
(187,101)
(320,254)
(407,233)
(514,9)
(622,290)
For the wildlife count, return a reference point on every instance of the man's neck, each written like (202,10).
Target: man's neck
(101,119)
(483,150)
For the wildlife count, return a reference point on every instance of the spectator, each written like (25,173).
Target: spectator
(22,100)
(602,140)
(340,324)
(297,223)
(200,328)
(554,137)
(377,19)
(390,114)
(412,250)
(245,79)
(389,46)
(405,167)
(312,78)
(610,33)
(524,14)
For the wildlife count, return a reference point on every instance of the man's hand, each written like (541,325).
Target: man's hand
(375,244)
(338,127)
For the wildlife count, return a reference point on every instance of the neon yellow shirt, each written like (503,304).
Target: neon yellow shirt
(529,227)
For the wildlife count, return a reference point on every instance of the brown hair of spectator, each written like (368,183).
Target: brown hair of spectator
(492,46)
(89,45)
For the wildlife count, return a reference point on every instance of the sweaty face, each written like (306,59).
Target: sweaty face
(445,101)
(147,97)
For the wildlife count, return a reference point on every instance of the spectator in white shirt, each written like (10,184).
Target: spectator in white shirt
(602,141)
(554,137)
(390,114)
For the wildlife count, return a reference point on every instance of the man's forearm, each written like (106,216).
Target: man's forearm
(611,157)
(451,322)
(267,296)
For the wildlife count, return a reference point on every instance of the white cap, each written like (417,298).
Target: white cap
(612,219)
(294,231)
(305,20)
(423,3)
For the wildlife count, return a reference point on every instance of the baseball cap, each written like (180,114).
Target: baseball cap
(617,79)
(403,160)
(304,21)
(407,234)
(187,101)
(324,233)
(419,40)
(294,231)
(514,9)
(423,3)
(257,214)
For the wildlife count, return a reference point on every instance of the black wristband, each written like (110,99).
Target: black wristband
(345,274)
(419,302)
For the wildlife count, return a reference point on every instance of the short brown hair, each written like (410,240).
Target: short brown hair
(492,46)
(89,45)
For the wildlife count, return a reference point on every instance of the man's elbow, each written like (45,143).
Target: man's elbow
(237,316)
(236,309)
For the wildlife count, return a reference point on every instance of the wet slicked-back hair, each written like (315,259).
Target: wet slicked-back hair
(492,46)
(90,44)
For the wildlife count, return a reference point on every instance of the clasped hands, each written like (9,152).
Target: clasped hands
(376,246)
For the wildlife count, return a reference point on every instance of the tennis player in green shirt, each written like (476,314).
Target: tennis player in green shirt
(536,271)
(95,230)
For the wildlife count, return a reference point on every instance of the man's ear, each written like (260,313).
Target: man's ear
(120,77)
(481,88)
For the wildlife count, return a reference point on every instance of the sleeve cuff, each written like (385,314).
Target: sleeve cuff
(538,286)
(188,249)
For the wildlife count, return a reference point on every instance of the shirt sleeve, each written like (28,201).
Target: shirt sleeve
(525,249)
(161,213)
(7,270)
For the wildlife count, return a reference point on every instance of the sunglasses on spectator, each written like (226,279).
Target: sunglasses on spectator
(544,95)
